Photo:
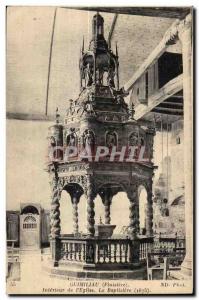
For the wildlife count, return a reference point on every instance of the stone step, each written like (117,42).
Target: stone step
(68,271)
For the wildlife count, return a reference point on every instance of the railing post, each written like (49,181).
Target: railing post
(90,253)
(134,250)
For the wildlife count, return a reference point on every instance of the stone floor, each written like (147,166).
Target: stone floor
(37,277)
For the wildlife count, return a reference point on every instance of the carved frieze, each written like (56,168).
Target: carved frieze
(109,117)
(73,168)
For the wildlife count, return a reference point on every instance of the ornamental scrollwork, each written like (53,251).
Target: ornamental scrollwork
(85,181)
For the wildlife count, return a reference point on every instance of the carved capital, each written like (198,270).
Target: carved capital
(171,34)
(176,30)
(106,195)
(132,191)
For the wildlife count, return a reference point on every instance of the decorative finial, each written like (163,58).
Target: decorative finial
(57,115)
(151,128)
(154,121)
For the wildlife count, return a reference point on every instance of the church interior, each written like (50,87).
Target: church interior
(61,63)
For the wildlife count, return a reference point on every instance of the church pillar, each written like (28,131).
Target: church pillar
(185,36)
(149,211)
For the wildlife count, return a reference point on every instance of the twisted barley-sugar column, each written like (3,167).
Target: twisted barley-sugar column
(107,205)
(107,212)
(132,195)
(75,201)
(55,212)
(90,209)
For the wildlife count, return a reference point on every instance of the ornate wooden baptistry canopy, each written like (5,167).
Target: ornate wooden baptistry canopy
(99,148)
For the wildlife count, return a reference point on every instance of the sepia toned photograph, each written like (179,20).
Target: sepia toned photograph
(99,150)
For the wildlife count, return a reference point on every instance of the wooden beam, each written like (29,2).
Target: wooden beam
(171,105)
(174,112)
(154,56)
(169,89)
(112,30)
(177,96)
(174,100)
(49,61)
(160,12)
(168,109)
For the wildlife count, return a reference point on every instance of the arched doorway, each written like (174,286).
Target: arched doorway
(30,222)
(142,196)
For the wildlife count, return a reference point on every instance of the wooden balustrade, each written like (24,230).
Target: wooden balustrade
(112,251)
(73,250)
(146,245)
(169,245)
(104,251)
(115,251)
